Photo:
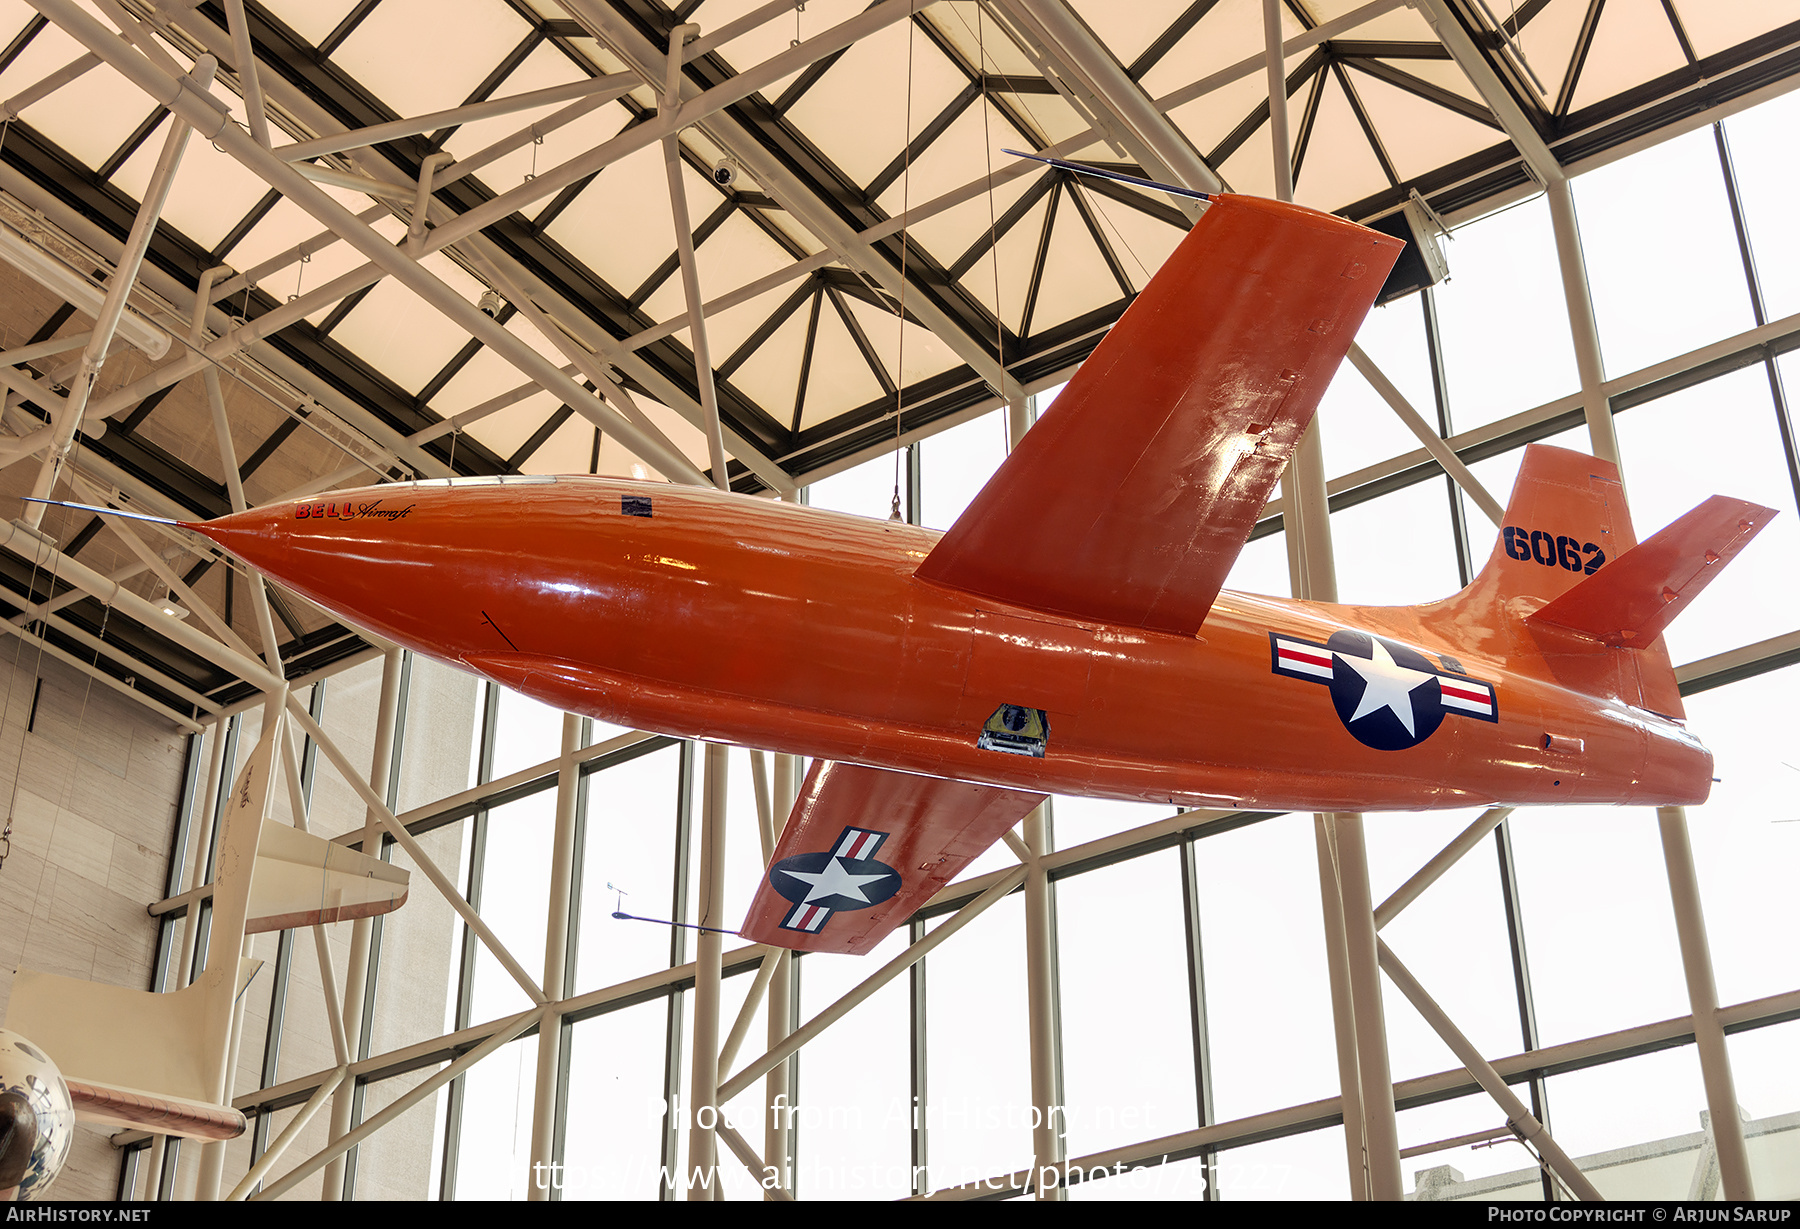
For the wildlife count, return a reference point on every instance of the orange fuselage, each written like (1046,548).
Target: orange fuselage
(740,620)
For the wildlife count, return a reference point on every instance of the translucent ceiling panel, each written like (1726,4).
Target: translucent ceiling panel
(838,377)
(963,153)
(1666,474)
(544,67)
(1746,838)
(737,253)
(1504,322)
(311,19)
(1128,29)
(1694,292)
(401,335)
(91,116)
(211,192)
(1076,277)
(771,38)
(1419,135)
(857,113)
(1768,179)
(620,225)
(420,56)
(978,39)
(1211,118)
(771,375)
(1230,31)
(569,450)
(1548,40)
(1338,165)
(923,354)
(1632,44)
(1010,267)
(1141,242)
(285,227)
(1712,28)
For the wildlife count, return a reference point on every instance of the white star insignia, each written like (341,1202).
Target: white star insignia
(1389,685)
(834,880)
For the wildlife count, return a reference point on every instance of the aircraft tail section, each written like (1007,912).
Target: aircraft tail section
(1566,520)
(1634,600)
(1580,600)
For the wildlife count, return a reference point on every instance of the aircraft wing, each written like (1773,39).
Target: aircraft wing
(1129,501)
(865,847)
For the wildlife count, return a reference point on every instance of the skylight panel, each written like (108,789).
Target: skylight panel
(402,336)
(838,378)
(1128,29)
(856,114)
(1712,27)
(1230,32)
(212,191)
(1632,44)
(620,224)
(1419,135)
(312,20)
(93,115)
(419,56)
(1076,278)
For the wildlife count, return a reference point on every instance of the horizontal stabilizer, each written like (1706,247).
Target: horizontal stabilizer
(305,880)
(865,847)
(1633,598)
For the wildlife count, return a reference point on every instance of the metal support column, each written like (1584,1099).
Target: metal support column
(703,1095)
(556,950)
(1047,1145)
(778,1157)
(1582,329)
(1703,998)
(343,1101)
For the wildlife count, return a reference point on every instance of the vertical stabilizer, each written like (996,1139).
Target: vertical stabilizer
(1566,519)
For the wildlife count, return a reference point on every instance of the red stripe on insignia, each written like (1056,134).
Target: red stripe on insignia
(1481,697)
(1310,658)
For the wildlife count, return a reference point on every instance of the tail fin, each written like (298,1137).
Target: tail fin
(1591,603)
(1567,519)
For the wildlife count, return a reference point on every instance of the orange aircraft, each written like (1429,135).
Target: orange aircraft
(1069,634)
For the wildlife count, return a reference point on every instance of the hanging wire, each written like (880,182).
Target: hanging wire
(299,278)
(905,207)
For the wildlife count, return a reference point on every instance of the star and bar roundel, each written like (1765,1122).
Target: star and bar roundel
(1389,696)
(845,877)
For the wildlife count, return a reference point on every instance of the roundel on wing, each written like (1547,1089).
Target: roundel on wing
(1386,694)
(834,882)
